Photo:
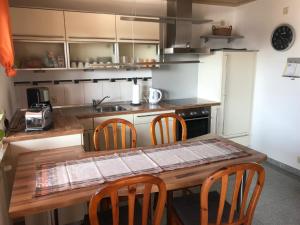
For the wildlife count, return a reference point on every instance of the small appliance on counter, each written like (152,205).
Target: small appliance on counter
(39,95)
(155,96)
(38,117)
(136,100)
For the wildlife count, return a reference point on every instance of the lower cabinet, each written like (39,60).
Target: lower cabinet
(17,147)
(142,123)
(88,125)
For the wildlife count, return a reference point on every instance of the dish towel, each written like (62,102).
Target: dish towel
(6,44)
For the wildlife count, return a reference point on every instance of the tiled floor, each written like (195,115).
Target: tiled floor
(280,200)
(279,203)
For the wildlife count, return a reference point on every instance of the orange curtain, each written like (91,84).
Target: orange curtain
(6,45)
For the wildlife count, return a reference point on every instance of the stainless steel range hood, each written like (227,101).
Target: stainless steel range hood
(178,37)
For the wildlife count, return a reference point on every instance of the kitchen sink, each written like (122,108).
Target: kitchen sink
(115,108)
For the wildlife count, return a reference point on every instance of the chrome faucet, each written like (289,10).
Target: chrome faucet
(96,103)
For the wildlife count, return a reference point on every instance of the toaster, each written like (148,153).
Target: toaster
(38,117)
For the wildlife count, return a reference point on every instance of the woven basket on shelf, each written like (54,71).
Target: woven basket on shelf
(222,31)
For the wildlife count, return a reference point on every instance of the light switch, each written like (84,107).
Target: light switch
(285,10)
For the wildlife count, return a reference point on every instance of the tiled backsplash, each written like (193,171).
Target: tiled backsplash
(82,93)
(74,93)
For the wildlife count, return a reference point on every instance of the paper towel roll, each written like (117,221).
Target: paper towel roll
(135,94)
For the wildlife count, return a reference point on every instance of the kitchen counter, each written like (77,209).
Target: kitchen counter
(62,125)
(66,119)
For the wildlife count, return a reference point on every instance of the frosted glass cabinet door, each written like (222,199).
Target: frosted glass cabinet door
(37,23)
(90,26)
(138,31)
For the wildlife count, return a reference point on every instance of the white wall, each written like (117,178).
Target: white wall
(219,14)
(276,120)
(7,95)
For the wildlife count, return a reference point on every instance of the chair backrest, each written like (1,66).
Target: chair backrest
(106,132)
(130,186)
(167,117)
(244,215)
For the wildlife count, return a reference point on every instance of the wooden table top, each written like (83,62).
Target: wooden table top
(23,202)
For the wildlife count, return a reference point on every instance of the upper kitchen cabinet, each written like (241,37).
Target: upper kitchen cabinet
(90,54)
(90,26)
(39,55)
(136,31)
(37,24)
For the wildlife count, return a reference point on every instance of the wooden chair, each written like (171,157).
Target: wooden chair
(213,209)
(130,187)
(166,117)
(114,123)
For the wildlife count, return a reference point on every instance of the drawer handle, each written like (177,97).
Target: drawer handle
(201,118)
(100,38)
(137,39)
(148,115)
(37,36)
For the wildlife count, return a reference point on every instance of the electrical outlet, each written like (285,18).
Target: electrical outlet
(285,10)
(298,159)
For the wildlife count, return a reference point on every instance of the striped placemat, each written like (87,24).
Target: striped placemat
(62,176)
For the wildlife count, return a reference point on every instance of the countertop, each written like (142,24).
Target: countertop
(66,119)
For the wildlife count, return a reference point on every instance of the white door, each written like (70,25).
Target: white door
(90,26)
(137,31)
(238,92)
(37,23)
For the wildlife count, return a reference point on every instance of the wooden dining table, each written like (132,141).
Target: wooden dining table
(25,203)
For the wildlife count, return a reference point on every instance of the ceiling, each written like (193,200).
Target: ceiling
(129,7)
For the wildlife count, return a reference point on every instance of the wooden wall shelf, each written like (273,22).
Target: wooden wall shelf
(229,38)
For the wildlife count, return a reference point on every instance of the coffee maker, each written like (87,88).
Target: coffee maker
(39,95)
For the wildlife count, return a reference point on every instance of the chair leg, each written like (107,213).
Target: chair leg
(169,207)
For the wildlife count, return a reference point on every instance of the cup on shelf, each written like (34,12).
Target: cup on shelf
(87,65)
(73,65)
(80,65)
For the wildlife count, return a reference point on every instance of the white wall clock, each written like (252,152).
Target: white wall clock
(283,37)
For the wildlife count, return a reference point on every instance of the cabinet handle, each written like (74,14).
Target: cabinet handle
(37,36)
(103,38)
(148,115)
(137,39)
(201,118)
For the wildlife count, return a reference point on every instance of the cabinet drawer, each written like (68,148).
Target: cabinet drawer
(99,120)
(148,117)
